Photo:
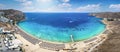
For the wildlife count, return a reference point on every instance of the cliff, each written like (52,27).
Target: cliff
(14,15)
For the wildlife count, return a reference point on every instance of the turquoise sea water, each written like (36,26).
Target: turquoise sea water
(57,27)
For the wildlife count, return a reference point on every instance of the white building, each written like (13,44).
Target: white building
(1,29)
(3,19)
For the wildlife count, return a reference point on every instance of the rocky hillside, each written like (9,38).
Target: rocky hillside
(14,15)
(112,44)
(107,14)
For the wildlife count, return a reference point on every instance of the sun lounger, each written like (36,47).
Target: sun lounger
(5,42)
(6,45)
(51,46)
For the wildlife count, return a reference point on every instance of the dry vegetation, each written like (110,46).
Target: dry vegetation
(14,15)
(112,44)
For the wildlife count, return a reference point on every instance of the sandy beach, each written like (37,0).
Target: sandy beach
(34,46)
(31,47)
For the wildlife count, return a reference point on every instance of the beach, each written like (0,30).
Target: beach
(30,47)
(50,30)
(33,44)
(10,31)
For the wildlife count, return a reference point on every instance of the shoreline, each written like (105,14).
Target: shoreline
(102,34)
(19,29)
(38,38)
(78,42)
(97,34)
(28,46)
(100,41)
(38,44)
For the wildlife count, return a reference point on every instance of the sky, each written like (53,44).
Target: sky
(62,5)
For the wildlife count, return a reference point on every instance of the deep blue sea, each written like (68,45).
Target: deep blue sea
(57,27)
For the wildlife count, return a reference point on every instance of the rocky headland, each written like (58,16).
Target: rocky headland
(10,17)
(112,21)
(14,15)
